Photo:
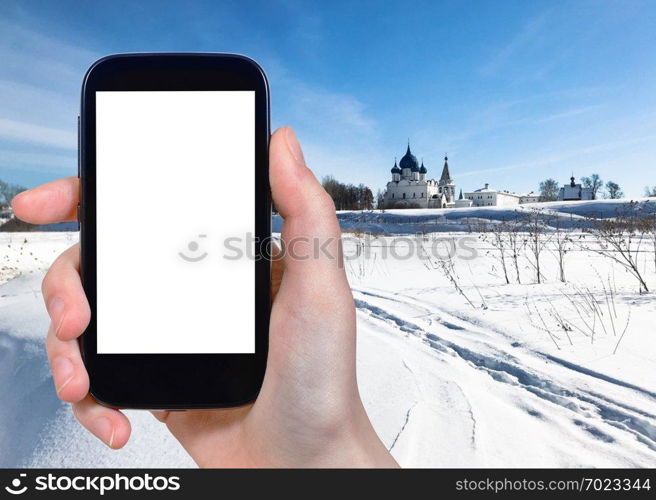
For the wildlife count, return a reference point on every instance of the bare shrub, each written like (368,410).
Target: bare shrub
(585,313)
(563,242)
(620,239)
(447,266)
(647,223)
(516,243)
(498,240)
(542,325)
(538,237)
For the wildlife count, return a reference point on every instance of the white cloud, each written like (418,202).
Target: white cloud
(39,86)
(36,134)
(573,154)
(339,135)
(40,83)
(64,164)
(31,57)
(333,115)
(528,34)
(24,102)
(568,113)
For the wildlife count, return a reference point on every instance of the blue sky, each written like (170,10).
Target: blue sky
(514,91)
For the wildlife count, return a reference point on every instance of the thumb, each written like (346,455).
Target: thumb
(310,234)
(313,324)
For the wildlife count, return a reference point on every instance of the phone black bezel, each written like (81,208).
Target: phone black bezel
(174,381)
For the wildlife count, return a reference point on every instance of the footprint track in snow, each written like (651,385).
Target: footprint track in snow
(505,368)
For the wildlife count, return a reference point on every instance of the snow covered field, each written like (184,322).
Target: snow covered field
(450,384)
(456,367)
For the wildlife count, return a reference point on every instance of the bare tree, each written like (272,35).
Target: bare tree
(613,191)
(365,198)
(348,196)
(380,200)
(650,192)
(549,190)
(593,182)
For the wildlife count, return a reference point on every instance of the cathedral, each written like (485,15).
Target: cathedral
(409,187)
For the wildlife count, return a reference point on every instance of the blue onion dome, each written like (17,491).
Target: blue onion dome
(423,170)
(395,168)
(409,161)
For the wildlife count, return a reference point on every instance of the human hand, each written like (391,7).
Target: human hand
(309,412)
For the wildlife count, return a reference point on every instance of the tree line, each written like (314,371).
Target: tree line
(348,196)
(7,221)
(7,193)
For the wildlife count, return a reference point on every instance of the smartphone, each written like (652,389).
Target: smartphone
(175,218)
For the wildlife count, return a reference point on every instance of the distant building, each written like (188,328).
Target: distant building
(462,202)
(488,197)
(575,192)
(529,198)
(409,186)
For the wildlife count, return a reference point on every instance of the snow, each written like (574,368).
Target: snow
(570,214)
(446,383)
(451,385)
(36,429)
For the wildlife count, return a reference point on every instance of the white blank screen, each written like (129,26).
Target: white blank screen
(170,168)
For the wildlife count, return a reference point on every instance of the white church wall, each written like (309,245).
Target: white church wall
(506,199)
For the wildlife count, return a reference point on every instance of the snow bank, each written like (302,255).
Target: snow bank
(411,221)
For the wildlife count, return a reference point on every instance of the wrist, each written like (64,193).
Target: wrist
(355,444)
(344,440)
(369,450)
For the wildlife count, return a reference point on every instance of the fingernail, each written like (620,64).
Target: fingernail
(103,429)
(62,370)
(294,146)
(56,311)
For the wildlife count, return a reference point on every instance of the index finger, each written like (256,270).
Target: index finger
(55,201)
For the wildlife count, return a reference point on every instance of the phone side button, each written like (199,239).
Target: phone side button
(78,146)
